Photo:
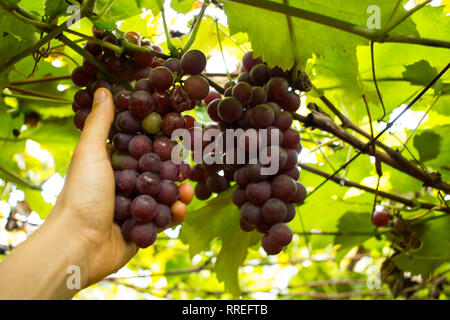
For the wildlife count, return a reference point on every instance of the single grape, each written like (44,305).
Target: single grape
(83,99)
(149,162)
(144,234)
(274,211)
(197,174)
(148,183)
(243,92)
(168,171)
(126,182)
(80,118)
(197,87)
(300,195)
(174,65)
(253,173)
(277,89)
(294,173)
(162,146)
(270,247)
(290,102)
(128,162)
(238,197)
(262,116)
(127,227)
(80,77)
(144,85)
(122,100)
(193,62)
(217,183)
(380,218)
(292,159)
(241,178)
(143,208)
(290,214)
(259,74)
(283,120)
(161,78)
(141,104)
(259,96)
(291,138)
(163,216)
(168,193)
(142,73)
(284,187)
(140,145)
(245,226)
(249,61)
(230,110)
(213,110)
(186,192)
(201,191)
(122,208)
(179,211)
(258,193)
(212,95)
(183,171)
(244,77)
(251,214)
(126,122)
(144,59)
(162,102)
(280,234)
(171,122)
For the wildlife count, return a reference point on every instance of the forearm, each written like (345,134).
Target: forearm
(40,267)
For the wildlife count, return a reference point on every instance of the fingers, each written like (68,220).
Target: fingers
(98,123)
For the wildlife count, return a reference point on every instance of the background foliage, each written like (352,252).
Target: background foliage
(336,252)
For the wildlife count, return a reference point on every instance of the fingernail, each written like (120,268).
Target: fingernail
(99,96)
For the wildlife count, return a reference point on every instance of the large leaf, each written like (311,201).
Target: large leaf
(434,250)
(220,218)
(428,143)
(349,226)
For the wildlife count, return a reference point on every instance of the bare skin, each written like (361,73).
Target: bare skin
(79,230)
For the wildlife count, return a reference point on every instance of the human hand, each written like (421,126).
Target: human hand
(86,203)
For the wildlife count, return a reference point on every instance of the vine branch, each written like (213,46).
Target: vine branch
(372,35)
(347,183)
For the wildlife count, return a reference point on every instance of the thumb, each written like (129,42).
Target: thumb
(98,123)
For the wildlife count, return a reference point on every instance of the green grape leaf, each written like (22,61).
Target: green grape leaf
(420,73)
(59,137)
(106,26)
(35,6)
(219,218)
(428,143)
(52,8)
(123,9)
(182,6)
(434,249)
(350,225)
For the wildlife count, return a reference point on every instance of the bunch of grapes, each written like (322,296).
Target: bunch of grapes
(149,197)
(262,98)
